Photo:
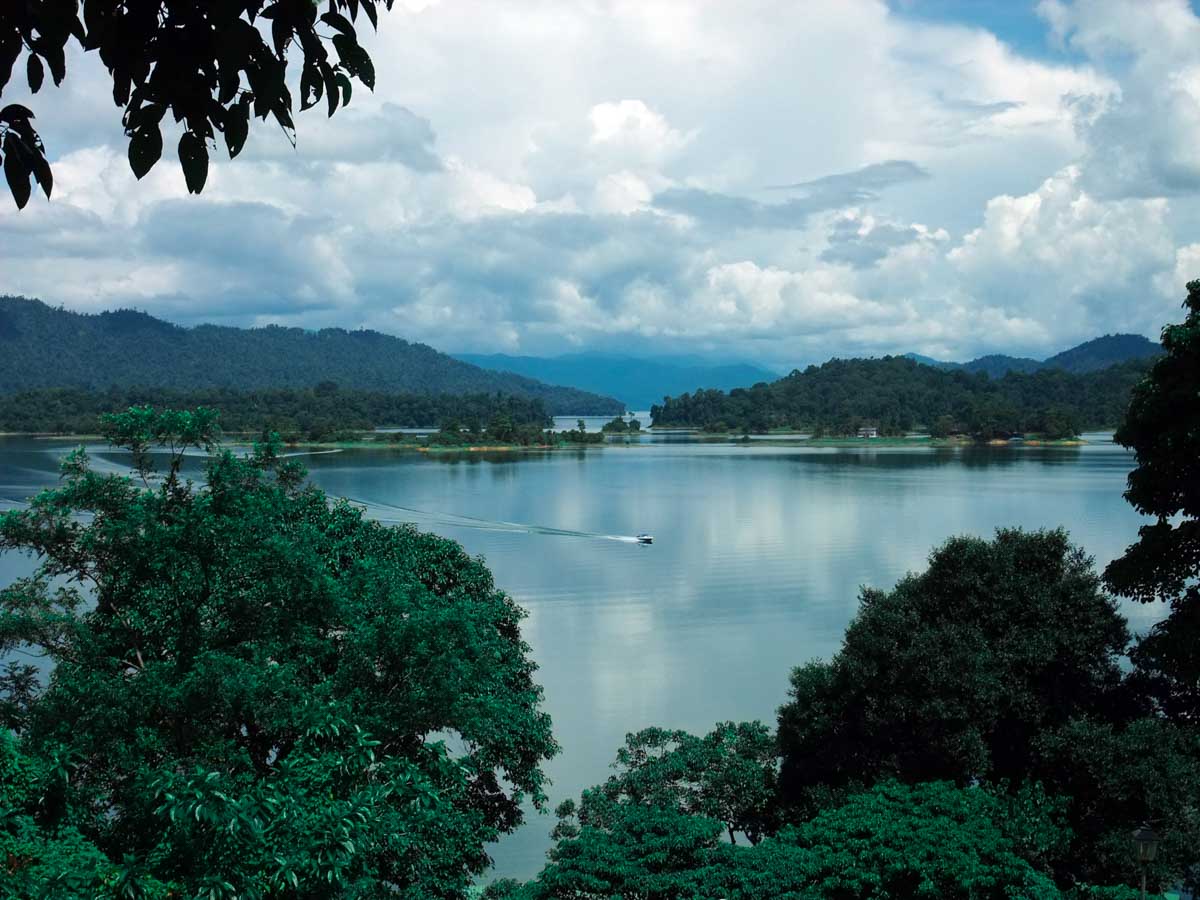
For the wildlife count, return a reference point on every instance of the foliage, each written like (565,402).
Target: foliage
(215,366)
(36,861)
(1164,563)
(643,851)
(314,414)
(931,840)
(1115,777)
(249,679)
(994,644)
(898,394)
(211,66)
(728,775)
(619,425)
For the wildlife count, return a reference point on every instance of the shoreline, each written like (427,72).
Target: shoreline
(775,439)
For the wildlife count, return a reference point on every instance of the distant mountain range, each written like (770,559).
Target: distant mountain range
(638,382)
(44,347)
(1090,356)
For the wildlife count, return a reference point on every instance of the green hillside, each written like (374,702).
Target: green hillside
(44,347)
(899,394)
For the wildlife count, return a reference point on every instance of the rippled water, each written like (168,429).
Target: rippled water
(758,555)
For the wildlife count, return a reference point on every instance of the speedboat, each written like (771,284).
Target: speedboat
(645,539)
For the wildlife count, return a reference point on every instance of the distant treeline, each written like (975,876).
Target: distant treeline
(898,395)
(314,413)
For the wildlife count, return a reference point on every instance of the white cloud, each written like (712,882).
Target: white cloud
(537,174)
(1062,253)
(1141,138)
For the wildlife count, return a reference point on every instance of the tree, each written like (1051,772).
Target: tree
(1115,777)
(639,851)
(250,679)
(932,840)
(728,775)
(956,672)
(942,427)
(210,65)
(1164,563)
(615,426)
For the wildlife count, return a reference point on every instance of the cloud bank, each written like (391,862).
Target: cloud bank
(781,182)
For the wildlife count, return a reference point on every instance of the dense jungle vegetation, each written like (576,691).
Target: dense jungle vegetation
(313,414)
(897,395)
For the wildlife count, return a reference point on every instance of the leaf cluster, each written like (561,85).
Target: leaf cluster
(211,67)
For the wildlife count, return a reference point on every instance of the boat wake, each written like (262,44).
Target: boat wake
(387,513)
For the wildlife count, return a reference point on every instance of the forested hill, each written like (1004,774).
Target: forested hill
(899,394)
(1090,356)
(44,347)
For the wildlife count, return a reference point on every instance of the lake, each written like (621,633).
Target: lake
(759,551)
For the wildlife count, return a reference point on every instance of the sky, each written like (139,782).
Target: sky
(776,182)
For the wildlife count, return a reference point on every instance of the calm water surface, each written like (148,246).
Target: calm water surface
(758,555)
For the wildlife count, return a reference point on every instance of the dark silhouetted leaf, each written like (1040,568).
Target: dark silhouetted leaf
(237,127)
(366,70)
(281,33)
(347,88)
(57,61)
(331,91)
(15,111)
(10,49)
(121,85)
(311,87)
(145,148)
(193,157)
(16,171)
(340,23)
(355,59)
(41,171)
(35,72)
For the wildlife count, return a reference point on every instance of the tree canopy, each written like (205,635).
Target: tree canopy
(314,414)
(897,394)
(254,687)
(211,66)
(934,840)
(995,643)
(998,664)
(1164,563)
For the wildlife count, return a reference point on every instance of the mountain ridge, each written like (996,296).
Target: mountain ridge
(44,347)
(1090,356)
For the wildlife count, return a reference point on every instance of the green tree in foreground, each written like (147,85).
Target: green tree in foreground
(956,672)
(997,664)
(253,686)
(211,66)
(931,840)
(728,775)
(1163,429)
